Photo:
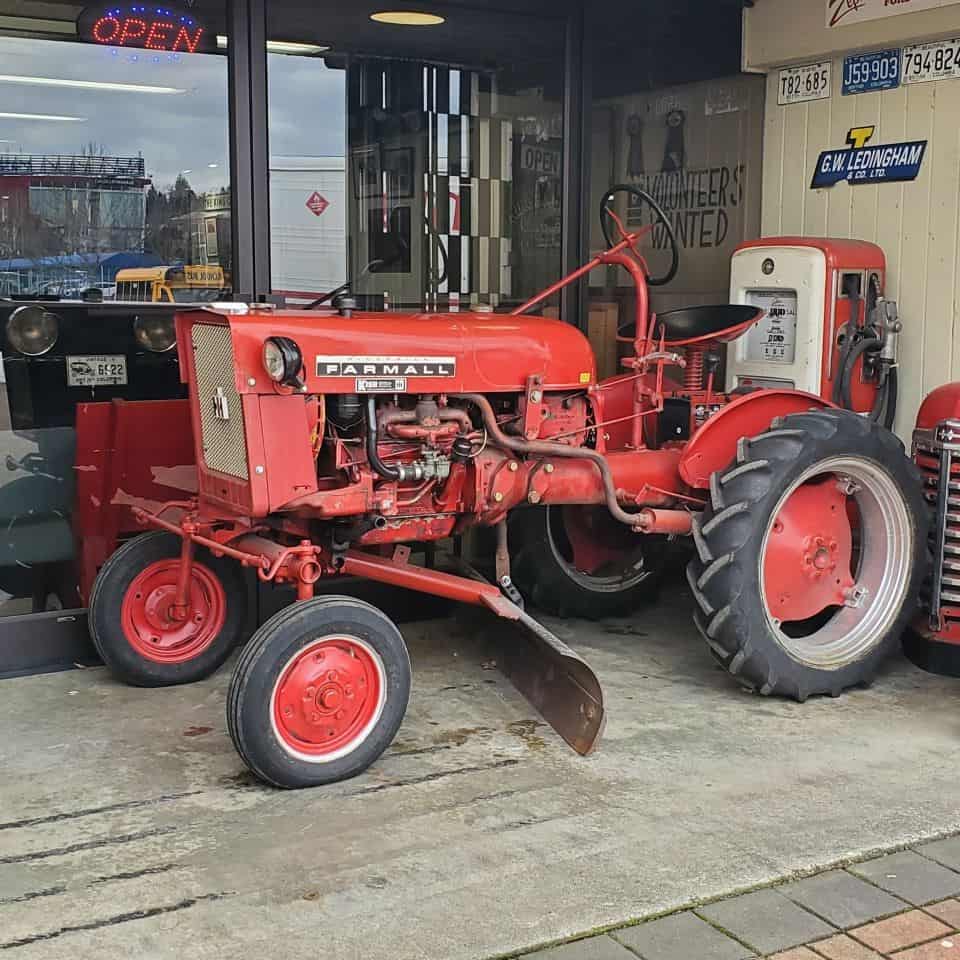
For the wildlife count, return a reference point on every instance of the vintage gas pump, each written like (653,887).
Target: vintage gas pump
(827,329)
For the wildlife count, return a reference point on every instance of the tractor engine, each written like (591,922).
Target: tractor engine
(381,431)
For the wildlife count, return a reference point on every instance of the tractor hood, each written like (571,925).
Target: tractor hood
(407,353)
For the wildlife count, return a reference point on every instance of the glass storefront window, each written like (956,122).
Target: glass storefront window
(687,130)
(422,168)
(111,160)
(114,186)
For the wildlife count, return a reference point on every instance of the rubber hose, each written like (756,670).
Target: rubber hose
(385,471)
(550,448)
(892,388)
(866,345)
(848,330)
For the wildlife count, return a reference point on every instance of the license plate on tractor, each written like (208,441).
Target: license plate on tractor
(101,370)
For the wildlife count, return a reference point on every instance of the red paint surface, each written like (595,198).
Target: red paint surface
(327,697)
(806,567)
(152,626)
(942,404)
(493,352)
(715,444)
(129,454)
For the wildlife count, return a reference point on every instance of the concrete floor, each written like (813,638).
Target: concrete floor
(129,828)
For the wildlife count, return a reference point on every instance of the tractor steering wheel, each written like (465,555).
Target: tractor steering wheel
(606,215)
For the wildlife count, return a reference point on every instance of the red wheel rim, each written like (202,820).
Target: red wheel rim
(808,559)
(328,698)
(595,551)
(589,539)
(147,619)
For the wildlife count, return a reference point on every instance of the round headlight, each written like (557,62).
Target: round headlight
(155,332)
(282,360)
(32,330)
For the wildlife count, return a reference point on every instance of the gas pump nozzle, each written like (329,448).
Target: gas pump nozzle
(889,326)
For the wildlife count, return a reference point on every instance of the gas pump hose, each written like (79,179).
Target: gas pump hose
(885,406)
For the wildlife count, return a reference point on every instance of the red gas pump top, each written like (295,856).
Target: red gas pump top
(839,254)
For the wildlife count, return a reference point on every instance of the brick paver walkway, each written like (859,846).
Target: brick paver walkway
(901,906)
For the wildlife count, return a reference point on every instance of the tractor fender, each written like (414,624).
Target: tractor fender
(714,445)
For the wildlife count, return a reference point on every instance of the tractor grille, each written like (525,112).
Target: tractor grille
(221,415)
(936,453)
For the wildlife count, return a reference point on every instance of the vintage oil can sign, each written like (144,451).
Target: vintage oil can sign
(863,163)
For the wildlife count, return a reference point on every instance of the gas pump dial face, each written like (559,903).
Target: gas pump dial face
(774,338)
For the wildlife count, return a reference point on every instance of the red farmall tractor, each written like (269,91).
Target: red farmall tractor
(327,442)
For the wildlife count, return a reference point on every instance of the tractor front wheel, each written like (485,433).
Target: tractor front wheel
(578,561)
(133,624)
(319,692)
(810,554)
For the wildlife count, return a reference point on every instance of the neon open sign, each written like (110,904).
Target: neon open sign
(146,27)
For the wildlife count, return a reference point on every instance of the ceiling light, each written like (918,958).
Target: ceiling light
(291,46)
(38,116)
(283,46)
(88,84)
(212,166)
(36,25)
(407,18)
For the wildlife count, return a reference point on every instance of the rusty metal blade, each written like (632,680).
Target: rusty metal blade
(554,678)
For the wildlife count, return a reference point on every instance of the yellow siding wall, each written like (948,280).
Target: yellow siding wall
(917,224)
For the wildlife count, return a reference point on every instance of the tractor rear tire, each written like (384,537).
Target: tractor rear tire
(319,692)
(544,571)
(129,621)
(809,555)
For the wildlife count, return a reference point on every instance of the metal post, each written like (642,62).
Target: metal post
(249,148)
(575,243)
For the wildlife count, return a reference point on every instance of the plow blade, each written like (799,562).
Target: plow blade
(558,682)
(540,665)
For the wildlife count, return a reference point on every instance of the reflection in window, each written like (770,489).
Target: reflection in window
(307,179)
(423,185)
(123,190)
(95,179)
